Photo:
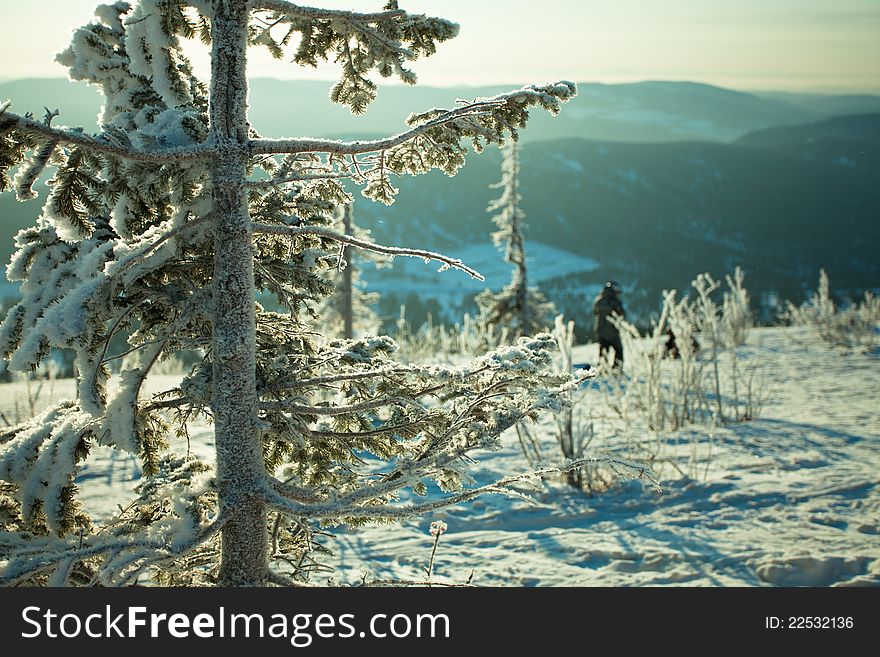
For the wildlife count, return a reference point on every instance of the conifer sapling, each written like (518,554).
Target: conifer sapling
(521,309)
(162,227)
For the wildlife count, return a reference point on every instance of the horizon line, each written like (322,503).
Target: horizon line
(816,91)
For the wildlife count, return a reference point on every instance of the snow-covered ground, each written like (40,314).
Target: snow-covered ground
(791,498)
(412,276)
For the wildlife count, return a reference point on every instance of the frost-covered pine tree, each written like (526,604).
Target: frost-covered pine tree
(163,227)
(350,307)
(523,310)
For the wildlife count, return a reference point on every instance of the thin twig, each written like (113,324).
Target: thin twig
(321,231)
(79,138)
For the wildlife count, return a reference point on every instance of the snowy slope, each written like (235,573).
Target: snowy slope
(453,290)
(791,498)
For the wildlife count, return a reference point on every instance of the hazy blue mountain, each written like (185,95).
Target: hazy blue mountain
(766,183)
(639,112)
(848,140)
(642,112)
(78,102)
(654,215)
(828,104)
(669,111)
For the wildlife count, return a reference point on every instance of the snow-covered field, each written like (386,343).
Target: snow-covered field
(791,498)
(412,276)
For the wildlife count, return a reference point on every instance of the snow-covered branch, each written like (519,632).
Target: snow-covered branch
(79,138)
(176,402)
(338,378)
(299,11)
(280,580)
(336,147)
(384,511)
(548,96)
(306,177)
(360,435)
(464,416)
(360,42)
(290,492)
(27,563)
(436,138)
(430,371)
(427,256)
(290,406)
(344,507)
(137,256)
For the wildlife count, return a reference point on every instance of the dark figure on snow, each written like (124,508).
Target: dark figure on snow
(608,303)
(671,349)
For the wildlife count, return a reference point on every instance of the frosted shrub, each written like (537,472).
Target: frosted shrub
(712,336)
(736,312)
(657,391)
(432,341)
(735,394)
(572,432)
(703,382)
(853,327)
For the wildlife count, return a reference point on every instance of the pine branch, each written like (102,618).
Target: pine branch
(138,347)
(349,506)
(290,492)
(79,138)
(140,252)
(116,324)
(299,11)
(437,387)
(385,429)
(461,419)
(400,478)
(15,572)
(280,580)
(277,182)
(336,147)
(290,406)
(320,231)
(387,511)
(28,175)
(369,374)
(339,378)
(177,402)
(548,96)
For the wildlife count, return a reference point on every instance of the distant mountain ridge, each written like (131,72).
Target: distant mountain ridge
(830,104)
(776,202)
(656,111)
(685,178)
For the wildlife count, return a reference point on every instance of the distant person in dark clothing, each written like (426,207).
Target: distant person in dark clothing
(671,348)
(608,303)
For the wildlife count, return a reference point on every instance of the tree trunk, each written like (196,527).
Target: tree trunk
(234,404)
(347,301)
(522,295)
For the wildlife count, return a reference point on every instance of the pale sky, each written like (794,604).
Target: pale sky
(797,45)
